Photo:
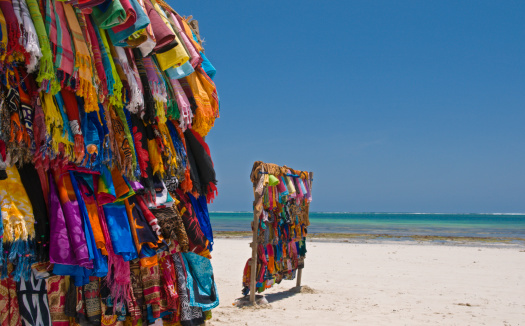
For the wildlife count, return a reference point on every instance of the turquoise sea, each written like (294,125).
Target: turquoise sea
(397,224)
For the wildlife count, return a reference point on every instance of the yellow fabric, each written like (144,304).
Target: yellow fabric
(204,118)
(55,125)
(15,208)
(116,98)
(3,45)
(177,56)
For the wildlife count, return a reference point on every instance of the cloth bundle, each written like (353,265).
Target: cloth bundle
(105,106)
(282,201)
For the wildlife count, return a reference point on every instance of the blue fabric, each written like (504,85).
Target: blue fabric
(208,68)
(67,128)
(181,71)
(119,39)
(201,210)
(79,274)
(100,264)
(119,230)
(200,282)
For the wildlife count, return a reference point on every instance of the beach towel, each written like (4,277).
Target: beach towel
(189,315)
(200,281)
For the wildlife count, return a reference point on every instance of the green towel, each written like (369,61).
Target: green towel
(109,14)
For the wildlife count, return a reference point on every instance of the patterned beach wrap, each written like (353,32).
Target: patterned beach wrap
(33,303)
(200,281)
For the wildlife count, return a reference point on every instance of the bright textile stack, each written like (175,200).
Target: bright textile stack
(105,176)
(282,202)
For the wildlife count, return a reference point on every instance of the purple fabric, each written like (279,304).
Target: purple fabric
(75,229)
(60,251)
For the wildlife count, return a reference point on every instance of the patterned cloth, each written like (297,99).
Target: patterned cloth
(56,293)
(33,303)
(9,312)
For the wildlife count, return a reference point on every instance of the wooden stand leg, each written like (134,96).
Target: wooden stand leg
(254,257)
(299,274)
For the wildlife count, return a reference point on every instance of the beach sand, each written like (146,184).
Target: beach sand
(381,283)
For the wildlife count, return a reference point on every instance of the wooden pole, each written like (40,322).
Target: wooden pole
(299,274)
(255,228)
(300,271)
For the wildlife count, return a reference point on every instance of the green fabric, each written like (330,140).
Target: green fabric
(113,16)
(273,180)
(46,71)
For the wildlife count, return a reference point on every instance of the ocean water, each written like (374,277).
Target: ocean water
(397,224)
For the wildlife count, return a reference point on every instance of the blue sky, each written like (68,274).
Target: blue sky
(403,106)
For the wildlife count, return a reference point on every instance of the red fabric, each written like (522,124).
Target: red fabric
(131,17)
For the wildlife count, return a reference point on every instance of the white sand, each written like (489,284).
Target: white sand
(381,284)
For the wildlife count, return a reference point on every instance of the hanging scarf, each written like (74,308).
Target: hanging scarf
(9,310)
(150,42)
(203,175)
(91,299)
(104,52)
(60,249)
(186,115)
(158,93)
(13,28)
(206,101)
(197,240)
(18,223)
(189,315)
(109,14)
(116,98)
(29,35)
(82,62)
(46,73)
(56,292)
(136,102)
(201,211)
(97,57)
(4,39)
(32,302)
(119,231)
(73,218)
(31,182)
(149,101)
(57,29)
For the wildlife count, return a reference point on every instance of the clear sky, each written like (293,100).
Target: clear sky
(400,106)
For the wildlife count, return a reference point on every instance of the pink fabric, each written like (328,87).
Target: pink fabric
(195,58)
(131,17)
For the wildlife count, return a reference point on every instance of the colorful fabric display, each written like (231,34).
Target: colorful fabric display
(282,200)
(105,176)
